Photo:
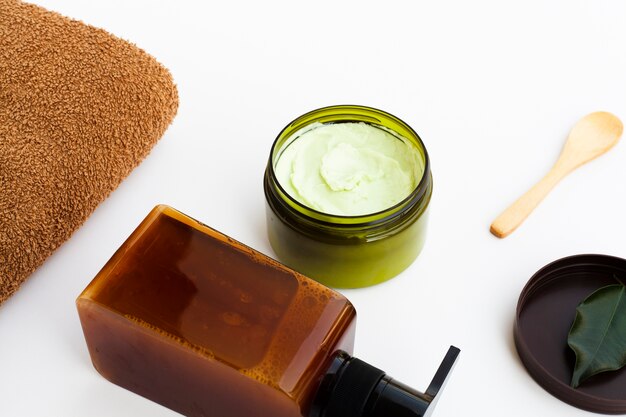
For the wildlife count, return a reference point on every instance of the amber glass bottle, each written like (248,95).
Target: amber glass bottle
(206,326)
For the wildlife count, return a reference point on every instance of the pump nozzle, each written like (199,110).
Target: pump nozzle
(360,390)
(441,377)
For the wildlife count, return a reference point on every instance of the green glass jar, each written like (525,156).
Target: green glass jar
(347,251)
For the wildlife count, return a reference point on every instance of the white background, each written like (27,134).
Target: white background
(492,87)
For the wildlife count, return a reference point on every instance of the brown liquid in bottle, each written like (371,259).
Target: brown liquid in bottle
(206,326)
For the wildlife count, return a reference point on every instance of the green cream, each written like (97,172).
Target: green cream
(348,169)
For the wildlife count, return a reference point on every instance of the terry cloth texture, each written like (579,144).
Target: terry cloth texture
(79,109)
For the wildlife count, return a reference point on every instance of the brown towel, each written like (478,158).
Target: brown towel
(79,109)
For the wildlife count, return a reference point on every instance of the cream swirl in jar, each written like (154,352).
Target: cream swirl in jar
(349,168)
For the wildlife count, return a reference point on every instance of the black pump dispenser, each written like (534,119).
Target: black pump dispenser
(353,388)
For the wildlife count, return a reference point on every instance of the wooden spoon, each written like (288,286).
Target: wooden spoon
(592,136)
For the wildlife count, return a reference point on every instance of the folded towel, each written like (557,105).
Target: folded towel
(79,109)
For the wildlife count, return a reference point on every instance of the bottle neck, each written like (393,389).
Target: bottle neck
(328,383)
(353,388)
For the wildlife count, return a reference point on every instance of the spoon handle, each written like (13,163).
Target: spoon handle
(517,212)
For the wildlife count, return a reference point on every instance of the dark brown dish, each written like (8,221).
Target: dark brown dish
(545,313)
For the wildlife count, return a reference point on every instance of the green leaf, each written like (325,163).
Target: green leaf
(598,335)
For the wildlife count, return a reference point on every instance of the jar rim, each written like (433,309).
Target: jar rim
(352,113)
